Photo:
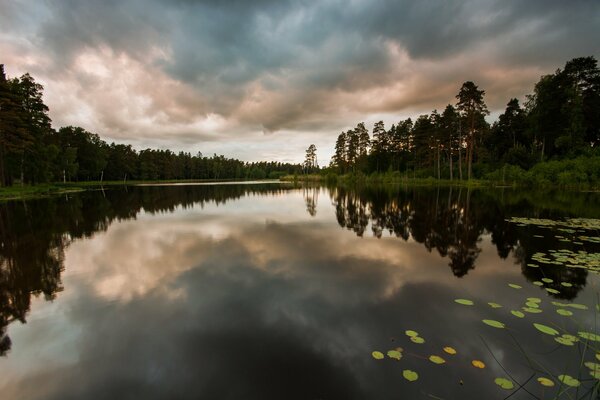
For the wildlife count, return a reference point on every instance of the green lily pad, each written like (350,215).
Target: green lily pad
(546,329)
(437,359)
(532,310)
(409,375)
(569,380)
(551,290)
(495,305)
(464,302)
(417,339)
(589,336)
(493,323)
(532,304)
(504,383)
(566,284)
(545,382)
(547,280)
(515,286)
(564,312)
(377,355)
(518,314)
(538,283)
(564,341)
(395,354)
(410,333)
(534,299)
(577,306)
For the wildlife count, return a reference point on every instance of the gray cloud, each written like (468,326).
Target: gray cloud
(171,67)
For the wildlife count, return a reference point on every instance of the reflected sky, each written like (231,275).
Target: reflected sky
(257,297)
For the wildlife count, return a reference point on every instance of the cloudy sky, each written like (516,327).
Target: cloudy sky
(262,79)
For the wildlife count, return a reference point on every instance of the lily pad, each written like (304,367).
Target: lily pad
(417,339)
(464,302)
(452,351)
(377,355)
(564,312)
(589,336)
(410,333)
(494,323)
(538,283)
(409,375)
(551,290)
(478,364)
(515,286)
(545,382)
(532,310)
(547,280)
(532,304)
(437,359)
(395,354)
(518,314)
(566,284)
(504,383)
(494,305)
(564,341)
(534,299)
(569,380)
(546,329)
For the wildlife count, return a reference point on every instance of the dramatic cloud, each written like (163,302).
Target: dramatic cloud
(263,79)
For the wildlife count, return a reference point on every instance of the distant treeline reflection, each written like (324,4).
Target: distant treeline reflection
(453,221)
(34,234)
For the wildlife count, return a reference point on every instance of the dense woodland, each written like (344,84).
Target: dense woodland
(556,134)
(31,151)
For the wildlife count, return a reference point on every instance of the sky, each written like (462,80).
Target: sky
(263,79)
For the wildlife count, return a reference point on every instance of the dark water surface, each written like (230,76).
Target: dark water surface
(275,292)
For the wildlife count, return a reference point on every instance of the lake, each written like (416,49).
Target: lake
(271,291)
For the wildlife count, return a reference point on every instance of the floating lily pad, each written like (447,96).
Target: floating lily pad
(395,354)
(564,312)
(589,336)
(452,351)
(478,364)
(578,306)
(410,333)
(534,299)
(494,305)
(532,310)
(569,380)
(546,329)
(417,339)
(464,302)
(538,283)
(532,304)
(504,383)
(494,323)
(409,375)
(545,382)
(547,280)
(437,359)
(564,341)
(566,284)
(515,286)
(377,355)
(518,314)
(551,290)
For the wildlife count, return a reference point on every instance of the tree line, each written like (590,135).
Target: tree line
(31,151)
(559,120)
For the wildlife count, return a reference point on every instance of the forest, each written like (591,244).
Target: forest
(32,151)
(552,138)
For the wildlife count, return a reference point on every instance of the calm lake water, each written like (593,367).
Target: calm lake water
(267,291)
